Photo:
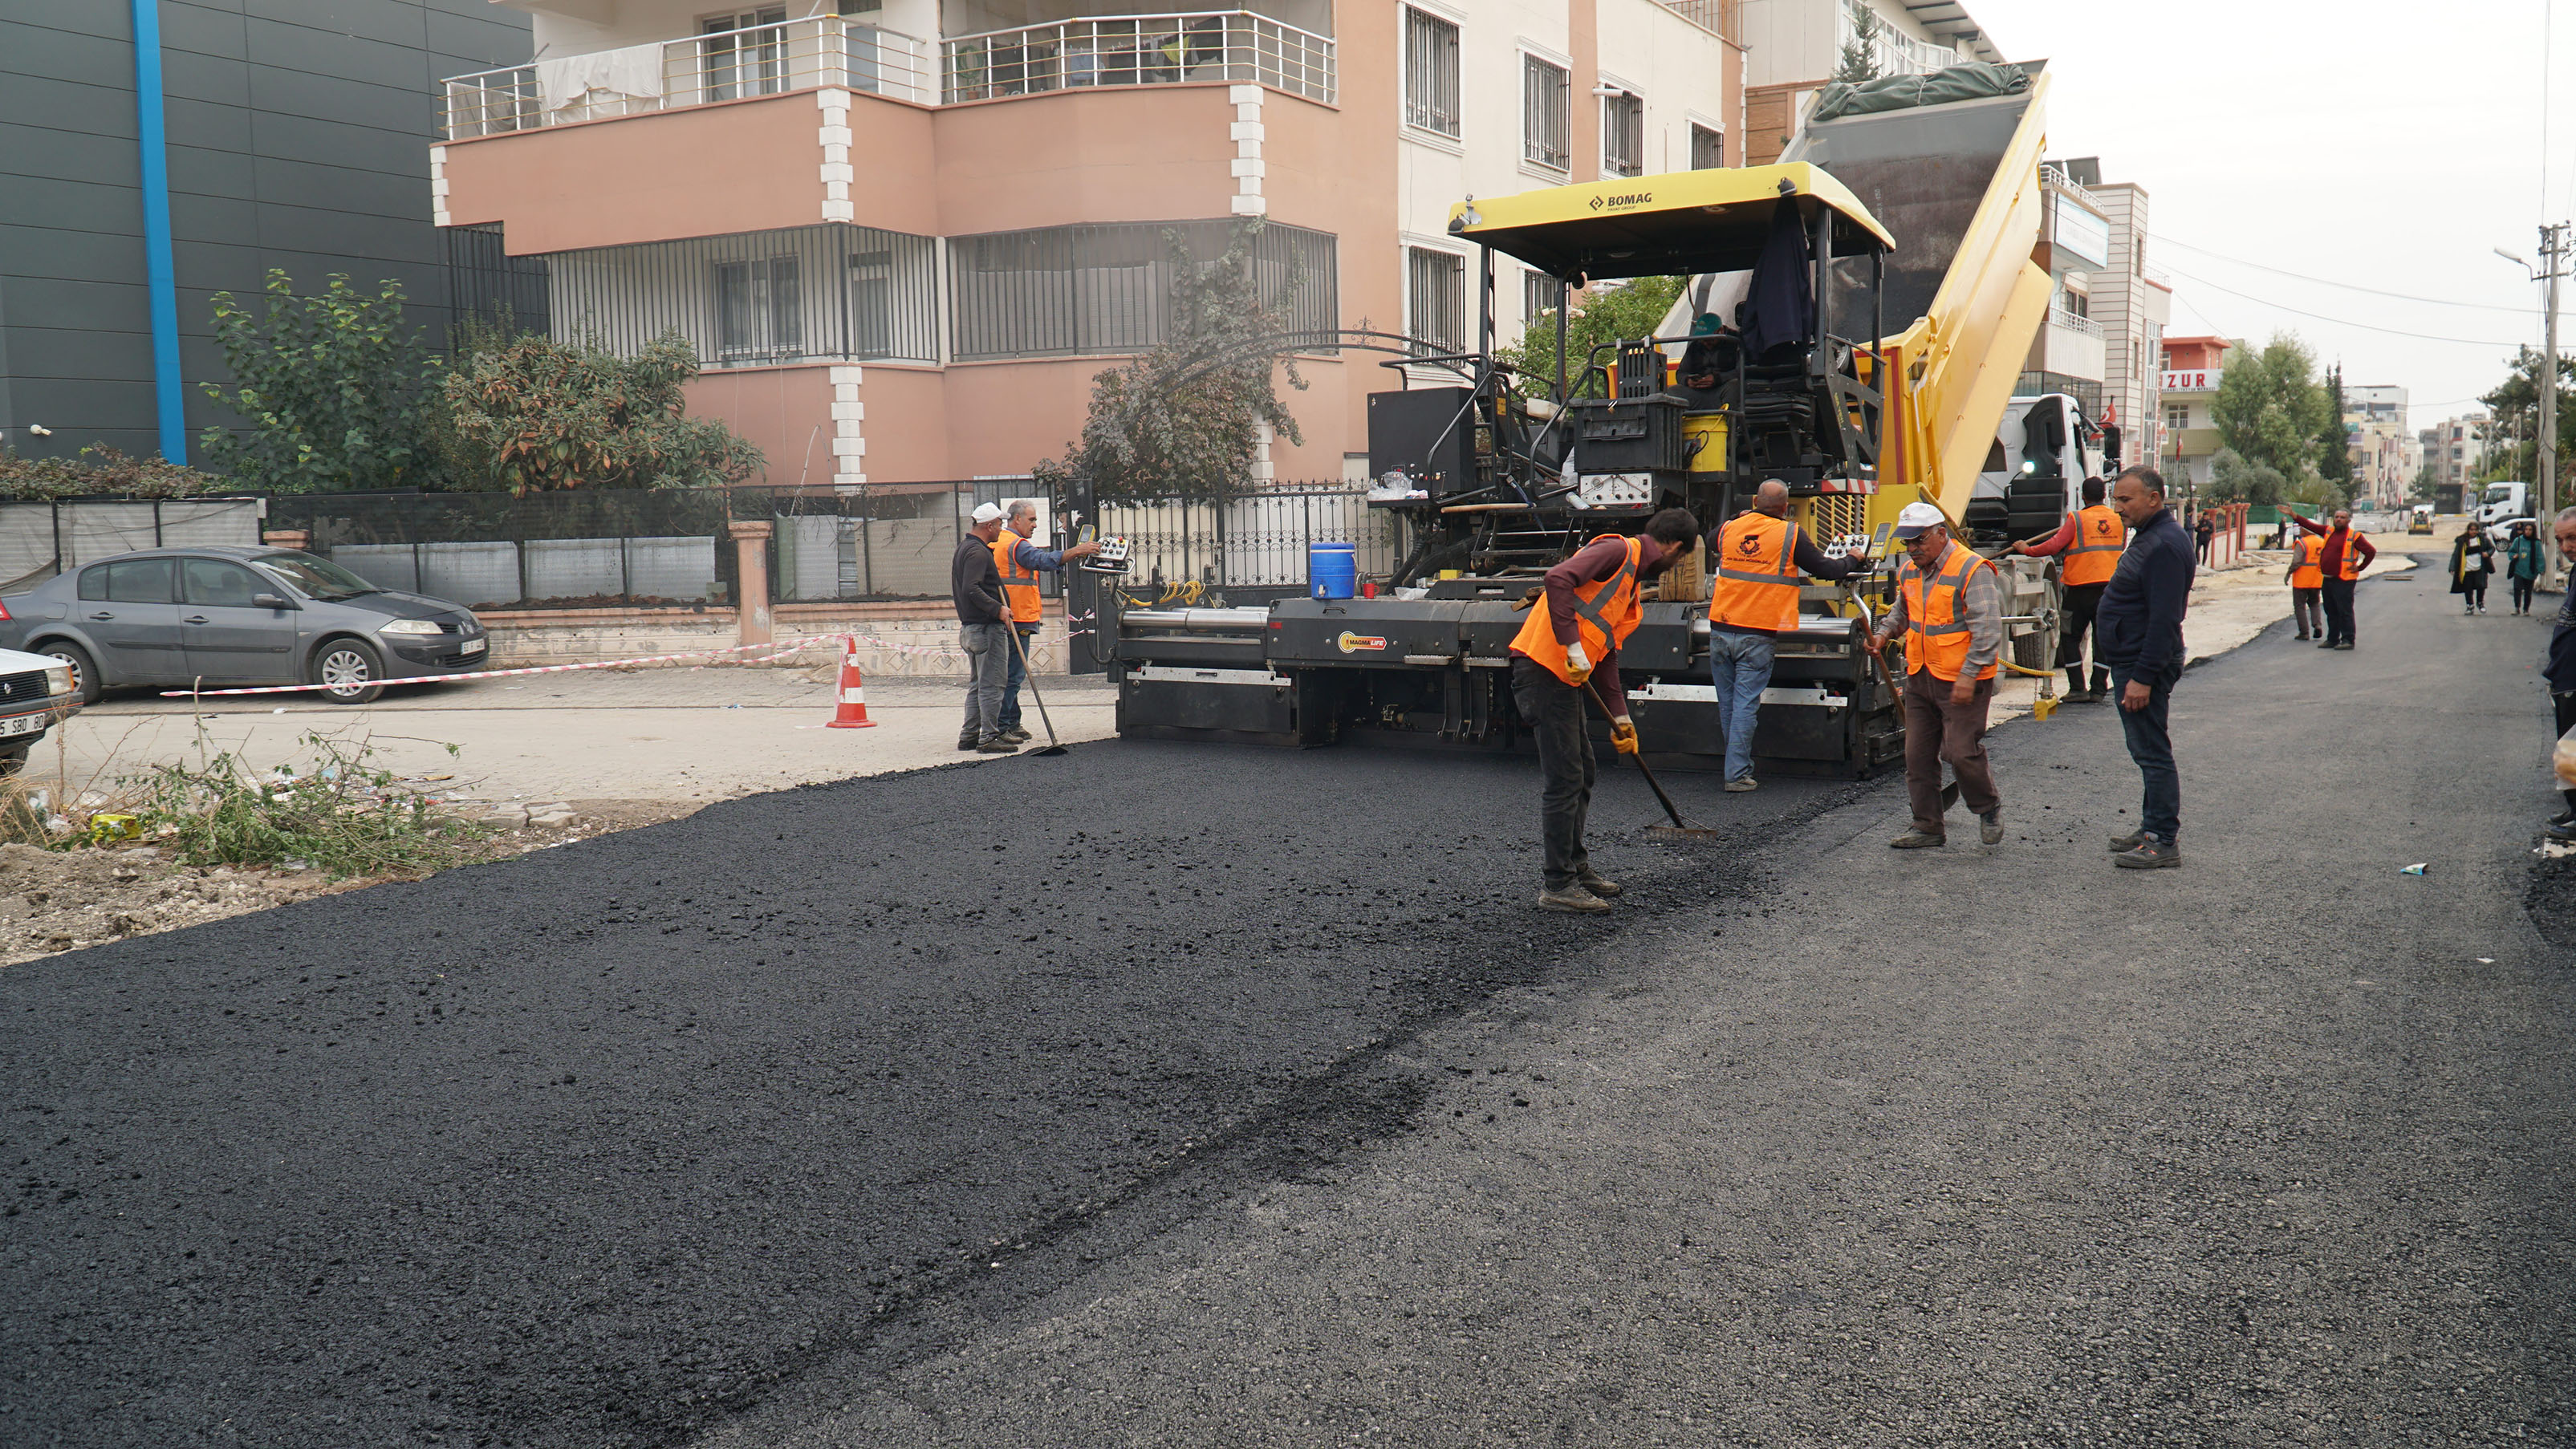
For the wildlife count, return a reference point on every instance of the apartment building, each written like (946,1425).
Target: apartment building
(2386,455)
(906,234)
(2188,436)
(2131,301)
(2456,448)
(1794,48)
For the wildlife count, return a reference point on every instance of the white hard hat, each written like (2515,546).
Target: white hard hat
(987,513)
(1918,517)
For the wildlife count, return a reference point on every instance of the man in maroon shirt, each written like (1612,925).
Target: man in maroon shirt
(2347,554)
(1563,649)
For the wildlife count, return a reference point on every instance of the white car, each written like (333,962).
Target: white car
(36,692)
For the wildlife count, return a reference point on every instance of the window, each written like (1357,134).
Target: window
(1546,114)
(134,581)
(1623,134)
(1708,148)
(737,59)
(1538,299)
(1435,296)
(1056,291)
(2177,417)
(759,310)
(1430,73)
(222,585)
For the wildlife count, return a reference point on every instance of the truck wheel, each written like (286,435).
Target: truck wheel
(85,686)
(350,671)
(2038,648)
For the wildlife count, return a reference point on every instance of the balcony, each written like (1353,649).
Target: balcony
(729,65)
(1721,18)
(2076,323)
(1234,46)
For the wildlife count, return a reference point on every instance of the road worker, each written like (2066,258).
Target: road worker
(1949,607)
(2307,581)
(2346,555)
(2089,544)
(1019,561)
(1586,608)
(1754,597)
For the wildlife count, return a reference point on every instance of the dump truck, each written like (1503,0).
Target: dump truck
(1910,226)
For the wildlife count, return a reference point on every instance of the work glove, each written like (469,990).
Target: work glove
(1623,735)
(1578,663)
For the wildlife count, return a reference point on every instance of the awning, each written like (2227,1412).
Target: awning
(1677,224)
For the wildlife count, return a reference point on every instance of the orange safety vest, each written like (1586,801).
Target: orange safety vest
(1936,636)
(2310,571)
(1019,585)
(1757,574)
(1605,614)
(2099,537)
(2348,567)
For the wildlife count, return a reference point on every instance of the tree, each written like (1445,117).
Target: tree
(1185,418)
(2234,480)
(330,386)
(2334,448)
(1860,53)
(533,416)
(2515,404)
(2270,409)
(1609,313)
(101,472)
(2426,479)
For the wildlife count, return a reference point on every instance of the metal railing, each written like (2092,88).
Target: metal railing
(2072,322)
(756,60)
(1723,18)
(1235,46)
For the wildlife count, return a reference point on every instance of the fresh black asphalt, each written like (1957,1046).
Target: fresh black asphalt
(1166,1095)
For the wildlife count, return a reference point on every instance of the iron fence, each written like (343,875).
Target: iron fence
(1068,290)
(41,539)
(591,548)
(1130,50)
(829,292)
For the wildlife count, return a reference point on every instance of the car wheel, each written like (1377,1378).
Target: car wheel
(85,685)
(13,760)
(350,671)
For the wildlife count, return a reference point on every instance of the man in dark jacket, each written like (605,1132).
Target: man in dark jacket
(2560,669)
(2138,632)
(983,631)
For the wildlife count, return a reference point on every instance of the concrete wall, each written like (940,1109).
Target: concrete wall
(298,133)
(897,640)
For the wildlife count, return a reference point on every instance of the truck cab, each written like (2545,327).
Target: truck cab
(2501,501)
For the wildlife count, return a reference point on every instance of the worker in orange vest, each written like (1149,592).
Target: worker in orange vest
(1757,558)
(1583,611)
(2307,581)
(2347,554)
(1019,561)
(2089,542)
(1949,607)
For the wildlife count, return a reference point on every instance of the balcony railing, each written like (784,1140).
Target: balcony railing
(754,61)
(2080,325)
(1719,17)
(1130,50)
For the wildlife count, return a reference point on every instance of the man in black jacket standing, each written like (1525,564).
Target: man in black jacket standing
(2560,668)
(983,631)
(2138,633)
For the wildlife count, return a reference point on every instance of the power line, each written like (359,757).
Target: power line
(2345,321)
(2346,286)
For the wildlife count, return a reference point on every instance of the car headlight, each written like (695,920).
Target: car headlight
(408,626)
(58,679)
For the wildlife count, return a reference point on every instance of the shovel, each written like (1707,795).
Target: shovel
(1680,829)
(1030,677)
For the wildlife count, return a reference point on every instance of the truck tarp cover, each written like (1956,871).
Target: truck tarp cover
(1971,81)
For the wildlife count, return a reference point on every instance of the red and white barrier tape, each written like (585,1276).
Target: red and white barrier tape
(780,650)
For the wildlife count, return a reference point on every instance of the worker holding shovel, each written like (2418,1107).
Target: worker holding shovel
(1586,608)
(1951,614)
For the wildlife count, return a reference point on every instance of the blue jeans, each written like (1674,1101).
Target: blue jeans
(1740,666)
(2151,745)
(1019,675)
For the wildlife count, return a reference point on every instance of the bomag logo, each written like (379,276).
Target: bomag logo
(1351,643)
(1633,198)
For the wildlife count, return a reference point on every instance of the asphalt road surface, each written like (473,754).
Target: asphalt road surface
(1165,1095)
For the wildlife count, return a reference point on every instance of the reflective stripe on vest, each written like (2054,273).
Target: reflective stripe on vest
(1019,585)
(1940,645)
(1605,614)
(2310,571)
(1764,593)
(2348,567)
(2099,537)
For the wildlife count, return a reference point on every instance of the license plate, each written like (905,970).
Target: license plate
(25,724)
(475,646)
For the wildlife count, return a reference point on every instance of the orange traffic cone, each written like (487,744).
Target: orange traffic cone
(853,713)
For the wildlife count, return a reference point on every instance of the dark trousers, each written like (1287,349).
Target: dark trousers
(1554,712)
(1019,674)
(2566,711)
(1936,731)
(2151,745)
(2073,626)
(2473,592)
(2339,629)
(2522,595)
(2309,610)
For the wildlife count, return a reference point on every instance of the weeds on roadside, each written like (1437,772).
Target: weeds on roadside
(339,814)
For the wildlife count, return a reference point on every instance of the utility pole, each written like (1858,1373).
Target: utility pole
(2553,242)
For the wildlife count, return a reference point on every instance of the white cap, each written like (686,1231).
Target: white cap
(1917,517)
(992,513)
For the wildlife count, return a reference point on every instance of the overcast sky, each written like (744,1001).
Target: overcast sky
(2366,143)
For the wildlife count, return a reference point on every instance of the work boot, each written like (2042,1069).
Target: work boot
(1742,783)
(1990,827)
(2304,634)
(2101,683)
(2130,841)
(2344,645)
(1571,897)
(2151,854)
(2329,644)
(2074,685)
(1918,839)
(1597,883)
(2560,830)
(1015,734)
(966,743)
(997,746)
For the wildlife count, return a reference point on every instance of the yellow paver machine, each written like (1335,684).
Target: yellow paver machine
(1876,295)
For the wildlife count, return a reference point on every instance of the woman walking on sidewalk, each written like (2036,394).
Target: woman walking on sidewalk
(2522,564)
(2472,559)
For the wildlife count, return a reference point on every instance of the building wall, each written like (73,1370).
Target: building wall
(298,134)
(2132,308)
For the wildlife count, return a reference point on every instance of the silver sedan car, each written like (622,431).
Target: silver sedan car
(222,616)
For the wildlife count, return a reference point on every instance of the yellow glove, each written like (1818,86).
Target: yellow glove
(1623,735)
(1578,663)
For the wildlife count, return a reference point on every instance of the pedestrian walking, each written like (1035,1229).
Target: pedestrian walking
(2090,541)
(2560,667)
(2341,562)
(2203,529)
(1019,560)
(1950,610)
(2306,578)
(1757,557)
(1586,608)
(2140,628)
(2472,559)
(983,631)
(2522,564)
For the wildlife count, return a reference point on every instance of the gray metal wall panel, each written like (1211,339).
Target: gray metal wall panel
(324,52)
(209,78)
(200,171)
(337,188)
(94,60)
(43,251)
(48,104)
(90,18)
(324,143)
(71,302)
(68,205)
(68,155)
(85,354)
(223,220)
(394,22)
(275,90)
(202,30)
(204,123)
